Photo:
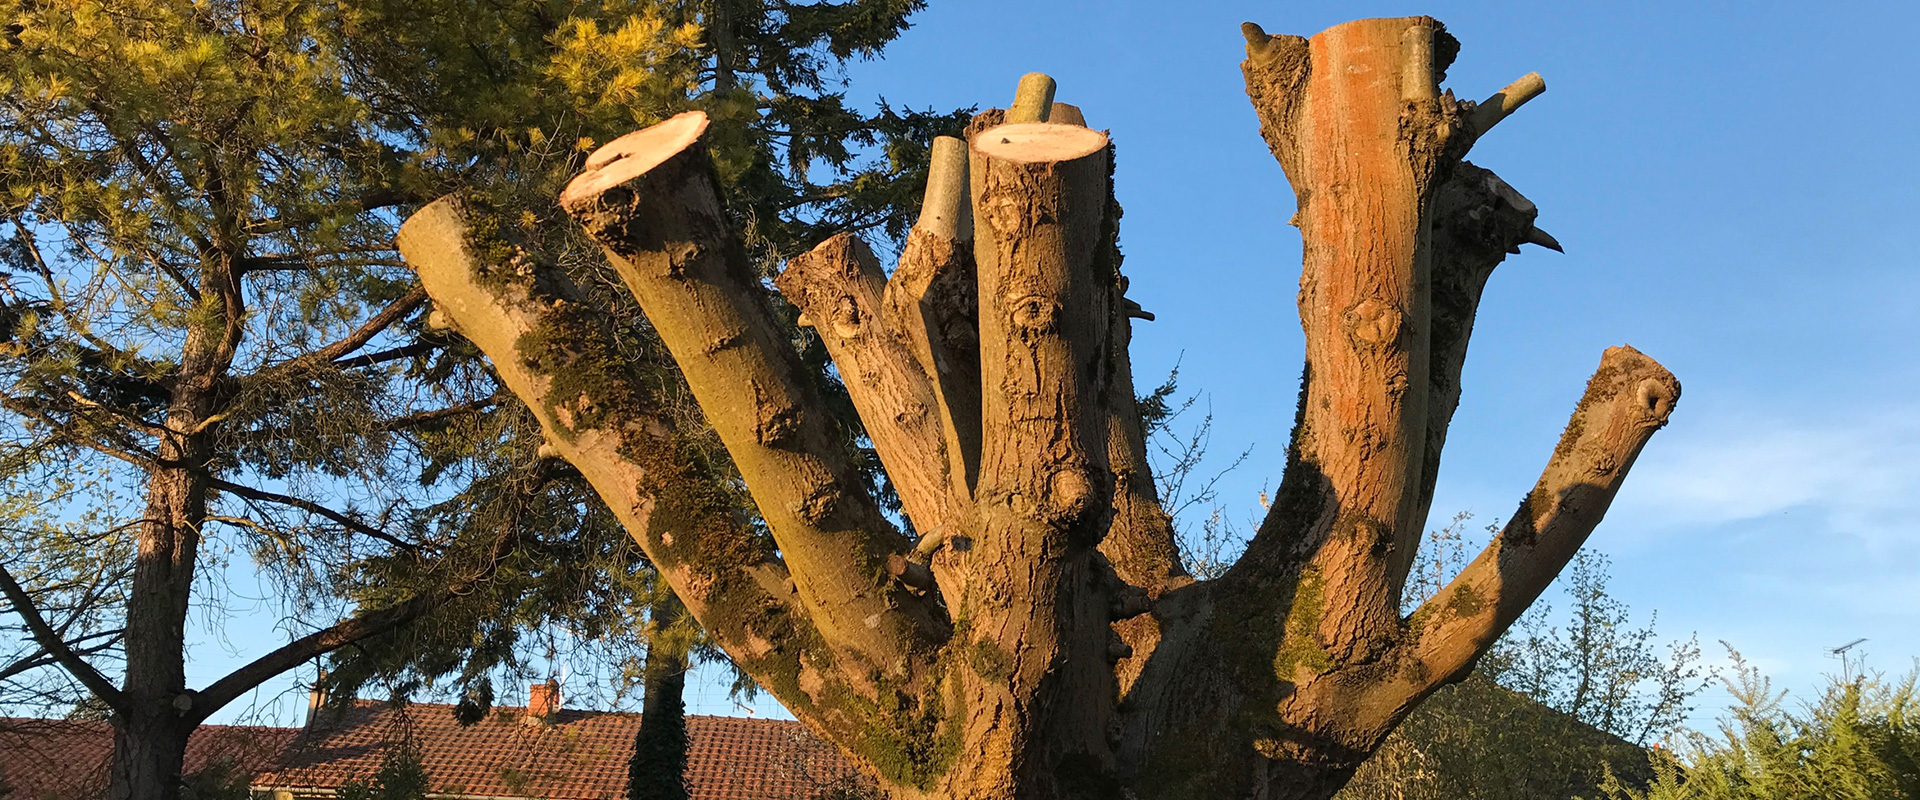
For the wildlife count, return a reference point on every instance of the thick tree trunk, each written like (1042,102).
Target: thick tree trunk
(1040,687)
(157,712)
(150,736)
(148,754)
(1039,640)
(659,766)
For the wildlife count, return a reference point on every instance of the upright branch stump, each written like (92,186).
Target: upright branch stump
(1034,635)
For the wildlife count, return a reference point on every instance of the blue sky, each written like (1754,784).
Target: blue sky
(1736,186)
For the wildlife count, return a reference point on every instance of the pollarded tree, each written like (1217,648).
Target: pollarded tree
(1038,638)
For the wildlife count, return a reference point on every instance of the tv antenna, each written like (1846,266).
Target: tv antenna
(1841,651)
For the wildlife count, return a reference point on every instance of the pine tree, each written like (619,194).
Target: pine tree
(201,310)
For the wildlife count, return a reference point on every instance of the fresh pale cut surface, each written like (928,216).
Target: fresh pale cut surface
(1034,142)
(634,154)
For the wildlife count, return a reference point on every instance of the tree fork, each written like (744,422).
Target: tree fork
(1275,681)
(1400,237)
(838,286)
(1345,713)
(651,199)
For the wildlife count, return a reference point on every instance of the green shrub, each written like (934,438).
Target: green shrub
(1860,741)
(1478,740)
(401,777)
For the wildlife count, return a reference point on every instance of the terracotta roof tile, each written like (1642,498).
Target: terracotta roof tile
(579,755)
(57,759)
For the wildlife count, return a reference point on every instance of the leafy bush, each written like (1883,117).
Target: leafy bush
(1478,740)
(1860,741)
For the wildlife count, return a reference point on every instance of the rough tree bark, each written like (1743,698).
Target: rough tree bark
(154,710)
(1035,636)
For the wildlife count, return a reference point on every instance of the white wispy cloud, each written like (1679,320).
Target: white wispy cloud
(1857,475)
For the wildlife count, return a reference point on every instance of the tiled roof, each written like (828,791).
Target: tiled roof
(58,759)
(731,758)
(579,755)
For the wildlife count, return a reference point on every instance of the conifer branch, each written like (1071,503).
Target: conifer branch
(343,633)
(311,507)
(394,312)
(57,647)
(124,451)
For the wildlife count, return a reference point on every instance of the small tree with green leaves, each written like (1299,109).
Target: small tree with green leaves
(1598,668)
(400,777)
(1557,703)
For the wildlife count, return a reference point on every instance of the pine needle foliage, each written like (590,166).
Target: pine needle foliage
(401,776)
(212,351)
(1859,741)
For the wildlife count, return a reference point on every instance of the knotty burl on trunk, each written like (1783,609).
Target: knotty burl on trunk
(1038,637)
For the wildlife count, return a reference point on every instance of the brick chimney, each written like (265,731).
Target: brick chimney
(318,697)
(543,701)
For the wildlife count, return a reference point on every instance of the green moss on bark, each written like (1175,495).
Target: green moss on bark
(989,661)
(1466,603)
(1300,642)
(907,733)
(911,742)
